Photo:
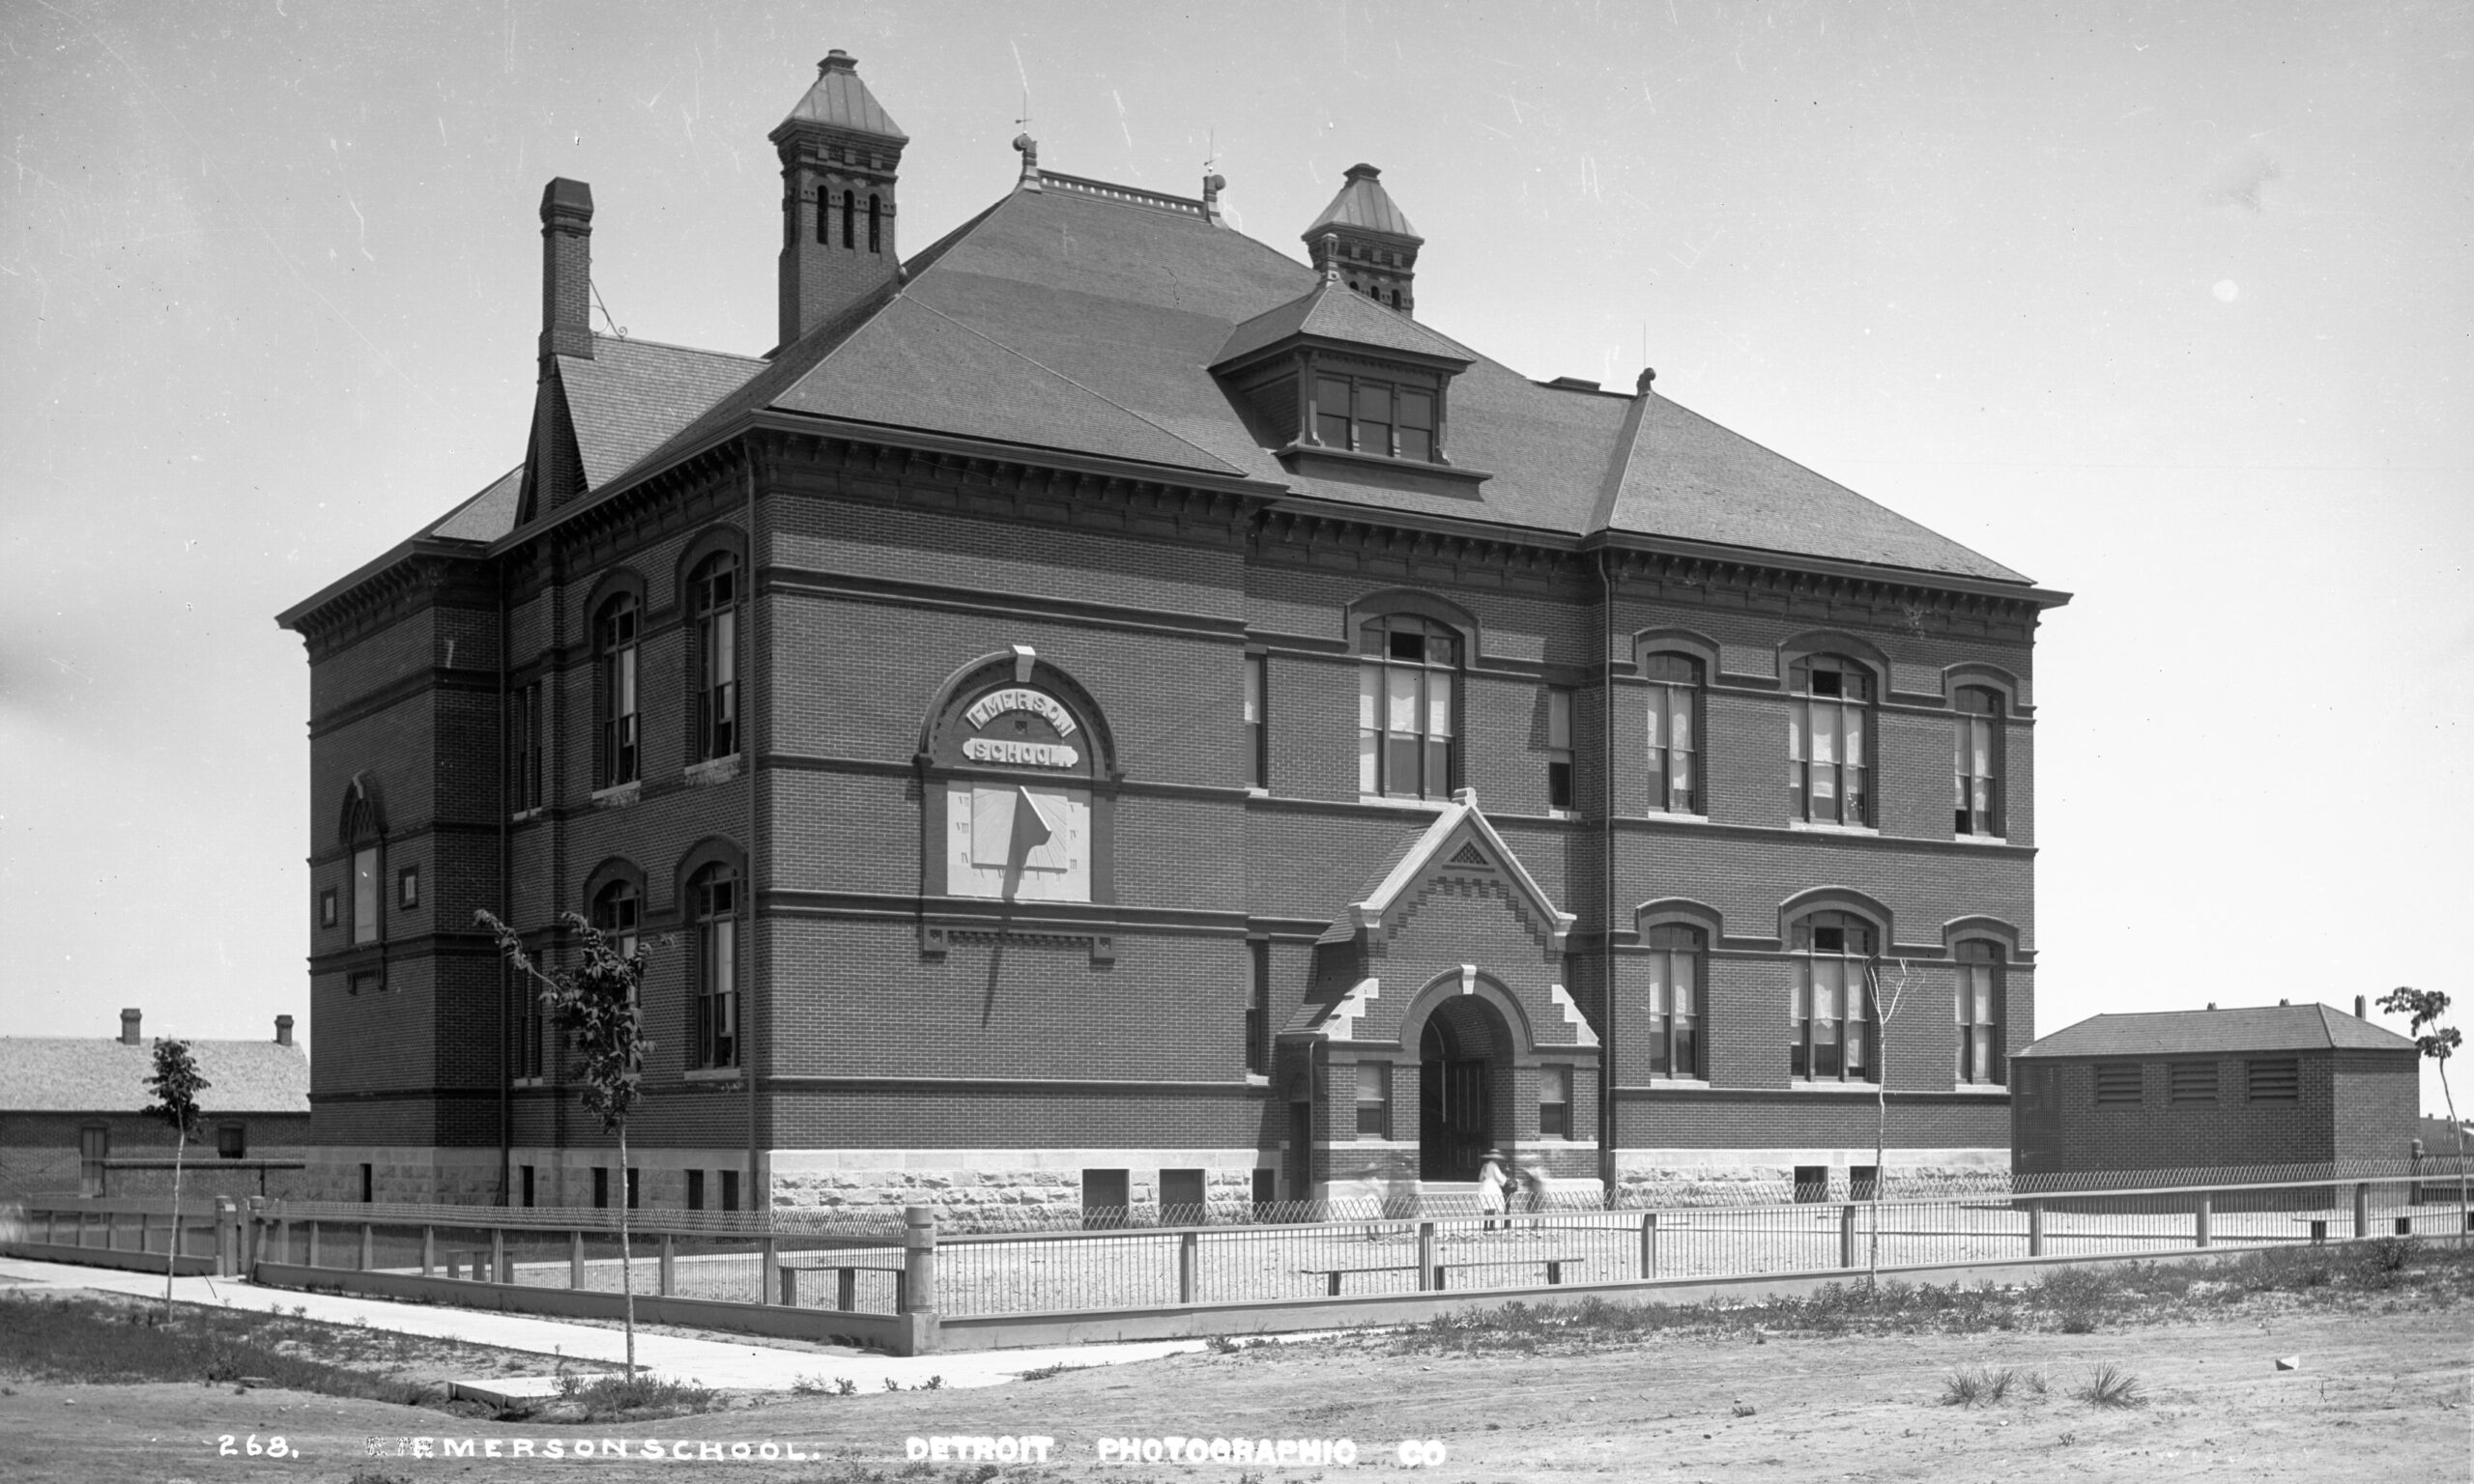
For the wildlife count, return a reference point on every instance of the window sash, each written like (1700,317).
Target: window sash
(1404,715)
(364,894)
(1831,1018)
(1373,1100)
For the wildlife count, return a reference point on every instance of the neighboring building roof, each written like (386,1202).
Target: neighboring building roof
(2221,1032)
(1363,203)
(103,1074)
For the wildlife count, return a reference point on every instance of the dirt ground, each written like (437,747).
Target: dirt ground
(2378,1396)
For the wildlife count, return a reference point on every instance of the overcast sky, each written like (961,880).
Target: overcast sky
(2167,307)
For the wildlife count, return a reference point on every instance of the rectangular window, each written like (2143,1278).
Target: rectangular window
(600,1186)
(716,894)
(1829,772)
(407,888)
(2191,1083)
(1554,1103)
(714,592)
(618,699)
(1417,426)
(327,907)
(369,1184)
(729,1190)
(1404,707)
(231,1141)
(632,1173)
(1833,1007)
(1675,1001)
(1258,752)
(1673,732)
(364,894)
(1258,1006)
(694,1190)
(2274,1079)
(1332,412)
(1106,1199)
(1812,1183)
(1559,747)
(1181,1198)
(1975,761)
(2117,1084)
(1978,1007)
(525,745)
(528,1184)
(1374,1100)
(94,1147)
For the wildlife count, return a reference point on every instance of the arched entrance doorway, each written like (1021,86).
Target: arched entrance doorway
(1464,1057)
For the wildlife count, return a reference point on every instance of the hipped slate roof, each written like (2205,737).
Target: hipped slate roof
(1363,203)
(1062,320)
(103,1074)
(2219,1032)
(839,99)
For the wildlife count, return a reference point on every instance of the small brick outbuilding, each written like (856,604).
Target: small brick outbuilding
(2204,1089)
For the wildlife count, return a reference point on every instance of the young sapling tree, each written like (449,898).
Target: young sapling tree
(2438,1043)
(176,1083)
(598,1003)
(1883,1014)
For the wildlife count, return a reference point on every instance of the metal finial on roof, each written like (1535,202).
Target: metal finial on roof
(836,61)
(1029,149)
(1212,186)
(1641,386)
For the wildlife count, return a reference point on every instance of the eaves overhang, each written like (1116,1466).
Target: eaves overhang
(397,556)
(1825,566)
(892,435)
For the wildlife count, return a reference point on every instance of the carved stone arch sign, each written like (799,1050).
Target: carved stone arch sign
(1016,754)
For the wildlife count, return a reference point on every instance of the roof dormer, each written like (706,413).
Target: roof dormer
(1343,387)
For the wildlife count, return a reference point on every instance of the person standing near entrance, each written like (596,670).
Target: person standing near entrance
(1491,1184)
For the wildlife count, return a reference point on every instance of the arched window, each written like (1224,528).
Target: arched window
(1676,959)
(849,215)
(713,906)
(1405,733)
(875,223)
(1828,774)
(1833,1010)
(713,597)
(1396,299)
(1979,1012)
(1976,760)
(362,832)
(615,645)
(1674,734)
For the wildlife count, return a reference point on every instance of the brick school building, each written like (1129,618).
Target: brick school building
(1106,712)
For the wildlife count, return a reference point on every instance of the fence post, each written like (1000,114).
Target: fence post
(2362,1209)
(789,1281)
(575,1258)
(1426,1274)
(111,1231)
(227,1238)
(429,1249)
(1847,1236)
(502,1267)
(369,1246)
(918,1260)
(2199,1220)
(2035,1228)
(313,1244)
(1188,1258)
(1648,1245)
(283,1239)
(768,1258)
(669,1264)
(845,1297)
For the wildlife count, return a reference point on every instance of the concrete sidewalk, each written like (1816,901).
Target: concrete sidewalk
(750,1364)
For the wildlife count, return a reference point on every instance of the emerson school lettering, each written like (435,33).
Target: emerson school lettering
(1108,714)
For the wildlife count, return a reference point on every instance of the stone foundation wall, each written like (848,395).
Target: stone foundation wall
(1647,1177)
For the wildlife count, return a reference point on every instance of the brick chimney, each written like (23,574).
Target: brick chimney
(128,1027)
(555,475)
(841,154)
(283,1030)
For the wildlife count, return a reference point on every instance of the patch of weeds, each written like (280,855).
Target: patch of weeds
(1044,1372)
(374,1476)
(979,1476)
(845,1386)
(82,1338)
(1223,1345)
(811,1386)
(2036,1382)
(2109,1386)
(892,1385)
(637,1398)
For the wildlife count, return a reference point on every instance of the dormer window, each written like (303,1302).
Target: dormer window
(1367,414)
